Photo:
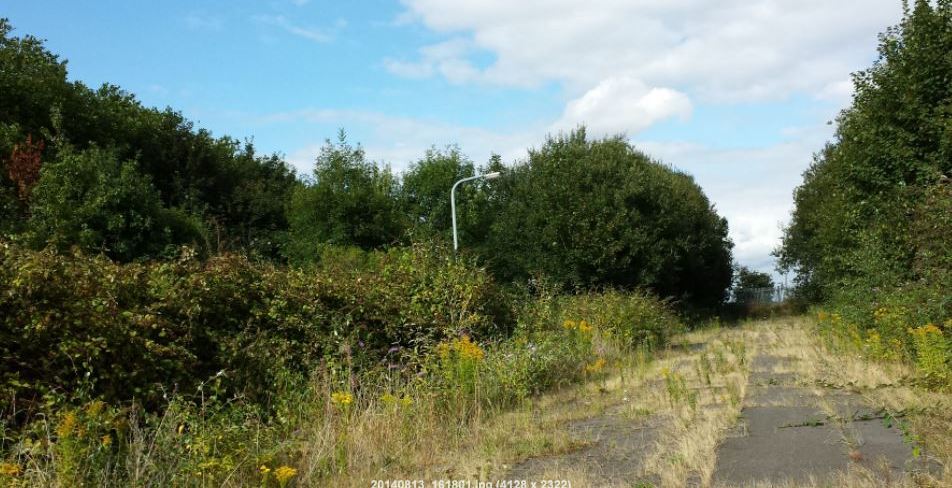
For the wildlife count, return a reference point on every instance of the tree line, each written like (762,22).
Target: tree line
(95,170)
(873,208)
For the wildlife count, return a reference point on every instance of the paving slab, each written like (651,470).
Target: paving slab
(766,363)
(780,396)
(771,450)
(786,433)
(768,378)
(616,451)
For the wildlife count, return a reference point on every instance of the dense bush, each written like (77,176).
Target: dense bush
(93,200)
(631,319)
(359,346)
(76,324)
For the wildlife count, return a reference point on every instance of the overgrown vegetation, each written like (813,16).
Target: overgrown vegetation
(193,371)
(872,227)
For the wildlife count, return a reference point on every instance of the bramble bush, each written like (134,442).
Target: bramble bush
(75,323)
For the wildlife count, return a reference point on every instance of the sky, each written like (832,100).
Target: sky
(738,93)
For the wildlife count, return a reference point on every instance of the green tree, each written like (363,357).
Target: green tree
(599,213)
(351,202)
(749,284)
(425,198)
(96,201)
(33,86)
(425,189)
(851,223)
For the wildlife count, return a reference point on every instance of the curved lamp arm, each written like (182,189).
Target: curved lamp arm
(488,176)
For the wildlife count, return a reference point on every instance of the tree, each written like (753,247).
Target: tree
(100,203)
(750,285)
(599,213)
(425,189)
(351,202)
(851,223)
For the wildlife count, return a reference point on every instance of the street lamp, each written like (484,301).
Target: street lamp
(488,176)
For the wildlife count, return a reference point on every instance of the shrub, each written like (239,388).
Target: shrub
(96,201)
(73,323)
(633,319)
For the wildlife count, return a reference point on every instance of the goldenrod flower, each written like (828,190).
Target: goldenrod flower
(925,331)
(94,408)
(106,440)
(406,401)
(9,469)
(66,426)
(568,324)
(595,366)
(284,474)
(388,399)
(463,348)
(468,349)
(342,398)
(583,326)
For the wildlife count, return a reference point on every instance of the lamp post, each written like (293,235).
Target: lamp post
(488,176)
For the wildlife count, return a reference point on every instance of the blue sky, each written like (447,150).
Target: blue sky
(735,92)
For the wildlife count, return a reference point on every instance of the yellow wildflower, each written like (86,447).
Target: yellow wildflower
(66,426)
(583,326)
(925,331)
(406,401)
(284,474)
(106,440)
(342,398)
(264,470)
(94,408)
(665,372)
(595,366)
(388,399)
(443,350)
(568,324)
(463,348)
(9,469)
(468,349)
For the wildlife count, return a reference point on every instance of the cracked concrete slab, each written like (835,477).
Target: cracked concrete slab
(791,434)
(616,451)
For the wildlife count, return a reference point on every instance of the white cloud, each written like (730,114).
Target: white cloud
(623,104)
(627,64)
(447,58)
(726,50)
